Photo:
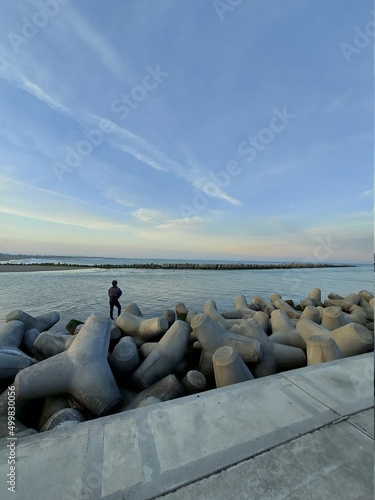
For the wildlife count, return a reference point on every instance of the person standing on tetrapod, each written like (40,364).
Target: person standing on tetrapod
(114,293)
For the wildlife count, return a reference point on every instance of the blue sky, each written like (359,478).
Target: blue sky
(187,129)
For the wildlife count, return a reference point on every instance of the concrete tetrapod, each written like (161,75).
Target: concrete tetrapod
(262,318)
(229,368)
(283,305)
(170,316)
(249,349)
(265,306)
(28,339)
(190,315)
(165,389)
(133,308)
(147,348)
(11,334)
(194,381)
(306,328)
(52,405)
(81,371)
(333,318)
(141,329)
(307,303)
(320,349)
(149,401)
(211,311)
(124,359)
(181,311)
(314,298)
(212,335)
(63,418)
(366,295)
(369,311)
(240,309)
(12,361)
(267,365)
(359,314)
(312,313)
(345,303)
(210,305)
(42,323)
(275,356)
(352,339)
(284,332)
(365,303)
(49,344)
(165,357)
(116,334)
(275,296)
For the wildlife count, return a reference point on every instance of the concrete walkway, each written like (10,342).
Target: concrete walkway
(305,433)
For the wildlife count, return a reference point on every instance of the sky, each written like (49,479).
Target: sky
(188,129)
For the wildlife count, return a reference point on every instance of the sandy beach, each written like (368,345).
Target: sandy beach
(26,268)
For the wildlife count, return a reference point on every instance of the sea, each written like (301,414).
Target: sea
(78,293)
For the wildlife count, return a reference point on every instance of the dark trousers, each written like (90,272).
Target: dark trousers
(114,303)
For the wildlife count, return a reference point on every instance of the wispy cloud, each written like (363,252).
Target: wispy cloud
(26,200)
(181,223)
(92,38)
(118,196)
(16,77)
(152,156)
(147,214)
(368,193)
(119,138)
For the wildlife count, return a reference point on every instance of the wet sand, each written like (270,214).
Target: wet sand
(22,268)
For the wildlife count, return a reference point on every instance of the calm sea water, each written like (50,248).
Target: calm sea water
(78,293)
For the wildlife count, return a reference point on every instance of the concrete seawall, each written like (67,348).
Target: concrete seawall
(176,446)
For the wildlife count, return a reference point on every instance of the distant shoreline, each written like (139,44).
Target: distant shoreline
(23,268)
(218,267)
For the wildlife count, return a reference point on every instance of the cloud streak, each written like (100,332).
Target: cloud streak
(16,77)
(151,155)
(50,206)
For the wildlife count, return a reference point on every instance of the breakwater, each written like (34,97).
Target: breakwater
(186,265)
(94,367)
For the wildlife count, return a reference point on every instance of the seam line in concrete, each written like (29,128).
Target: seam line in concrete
(147,450)
(214,466)
(253,456)
(305,404)
(94,457)
(363,431)
(317,388)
